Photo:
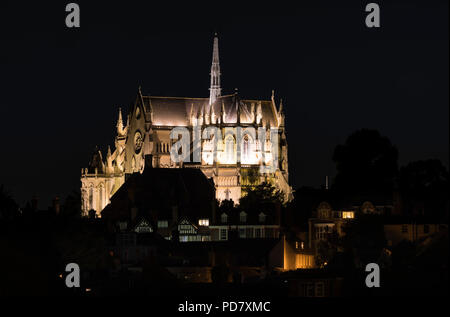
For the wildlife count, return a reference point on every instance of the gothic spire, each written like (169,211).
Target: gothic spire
(215,90)
(120,123)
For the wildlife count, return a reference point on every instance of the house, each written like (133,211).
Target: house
(398,229)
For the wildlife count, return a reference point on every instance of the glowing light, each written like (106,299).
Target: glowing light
(304,261)
(203,222)
(348,214)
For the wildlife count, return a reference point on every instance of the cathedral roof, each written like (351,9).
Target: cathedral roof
(176,111)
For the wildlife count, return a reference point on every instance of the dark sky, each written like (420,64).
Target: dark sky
(61,88)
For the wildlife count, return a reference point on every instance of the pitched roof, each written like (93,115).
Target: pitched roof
(175,111)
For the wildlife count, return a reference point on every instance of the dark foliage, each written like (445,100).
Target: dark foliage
(366,162)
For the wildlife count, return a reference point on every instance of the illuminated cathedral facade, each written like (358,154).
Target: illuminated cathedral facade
(144,137)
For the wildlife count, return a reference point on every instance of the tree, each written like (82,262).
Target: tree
(263,197)
(424,187)
(8,207)
(327,249)
(366,162)
(364,237)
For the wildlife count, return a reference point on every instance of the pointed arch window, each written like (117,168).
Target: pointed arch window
(133,163)
(230,149)
(91,197)
(101,195)
(246,149)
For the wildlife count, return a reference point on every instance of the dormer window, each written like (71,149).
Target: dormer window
(224,218)
(262,217)
(203,222)
(243,216)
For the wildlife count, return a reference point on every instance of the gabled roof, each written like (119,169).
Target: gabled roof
(142,222)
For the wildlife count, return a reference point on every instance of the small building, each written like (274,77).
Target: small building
(291,255)
(246,224)
(327,221)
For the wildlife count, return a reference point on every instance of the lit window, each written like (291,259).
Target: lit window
(229,148)
(163,224)
(245,149)
(262,217)
(203,222)
(348,214)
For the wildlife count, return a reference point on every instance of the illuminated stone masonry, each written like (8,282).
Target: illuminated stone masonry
(232,162)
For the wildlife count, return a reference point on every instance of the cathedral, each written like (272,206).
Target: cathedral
(233,161)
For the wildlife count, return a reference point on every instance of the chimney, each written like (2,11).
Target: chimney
(174,214)
(175,233)
(213,209)
(133,213)
(56,205)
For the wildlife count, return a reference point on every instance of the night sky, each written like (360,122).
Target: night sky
(61,88)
